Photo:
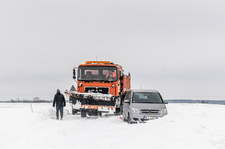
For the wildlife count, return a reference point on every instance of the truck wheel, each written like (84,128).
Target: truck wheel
(83,113)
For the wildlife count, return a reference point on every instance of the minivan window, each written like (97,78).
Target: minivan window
(146,97)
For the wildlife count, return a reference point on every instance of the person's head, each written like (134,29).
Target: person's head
(58,91)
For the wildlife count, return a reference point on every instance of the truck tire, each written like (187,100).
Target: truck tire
(83,113)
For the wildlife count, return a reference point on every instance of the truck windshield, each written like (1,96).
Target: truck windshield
(147,97)
(97,73)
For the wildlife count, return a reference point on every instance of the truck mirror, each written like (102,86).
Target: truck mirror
(121,75)
(74,74)
(165,102)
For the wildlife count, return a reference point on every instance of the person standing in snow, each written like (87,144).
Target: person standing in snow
(60,102)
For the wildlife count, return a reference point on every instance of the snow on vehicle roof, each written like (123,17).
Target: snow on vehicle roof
(145,90)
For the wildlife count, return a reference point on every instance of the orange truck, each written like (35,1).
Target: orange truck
(101,88)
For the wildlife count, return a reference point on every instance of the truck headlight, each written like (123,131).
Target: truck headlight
(163,111)
(135,110)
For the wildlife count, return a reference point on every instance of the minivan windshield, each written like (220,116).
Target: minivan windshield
(146,97)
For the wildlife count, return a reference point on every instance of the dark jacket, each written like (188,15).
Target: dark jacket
(59,100)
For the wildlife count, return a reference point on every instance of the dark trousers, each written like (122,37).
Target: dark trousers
(59,109)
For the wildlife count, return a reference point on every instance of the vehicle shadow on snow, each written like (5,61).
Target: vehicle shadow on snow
(67,115)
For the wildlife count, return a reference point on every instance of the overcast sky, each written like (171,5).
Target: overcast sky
(176,47)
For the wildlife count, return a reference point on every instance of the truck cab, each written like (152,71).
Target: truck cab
(99,78)
(101,87)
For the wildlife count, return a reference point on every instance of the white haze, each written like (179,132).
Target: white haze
(176,47)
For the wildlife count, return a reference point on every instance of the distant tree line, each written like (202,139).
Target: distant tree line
(34,100)
(192,101)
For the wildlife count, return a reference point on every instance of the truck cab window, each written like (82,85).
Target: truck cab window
(97,73)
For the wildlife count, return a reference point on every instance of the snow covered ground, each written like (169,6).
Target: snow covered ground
(187,126)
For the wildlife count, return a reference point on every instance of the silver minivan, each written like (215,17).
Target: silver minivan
(142,105)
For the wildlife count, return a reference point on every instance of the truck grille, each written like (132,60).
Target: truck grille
(103,90)
(150,111)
